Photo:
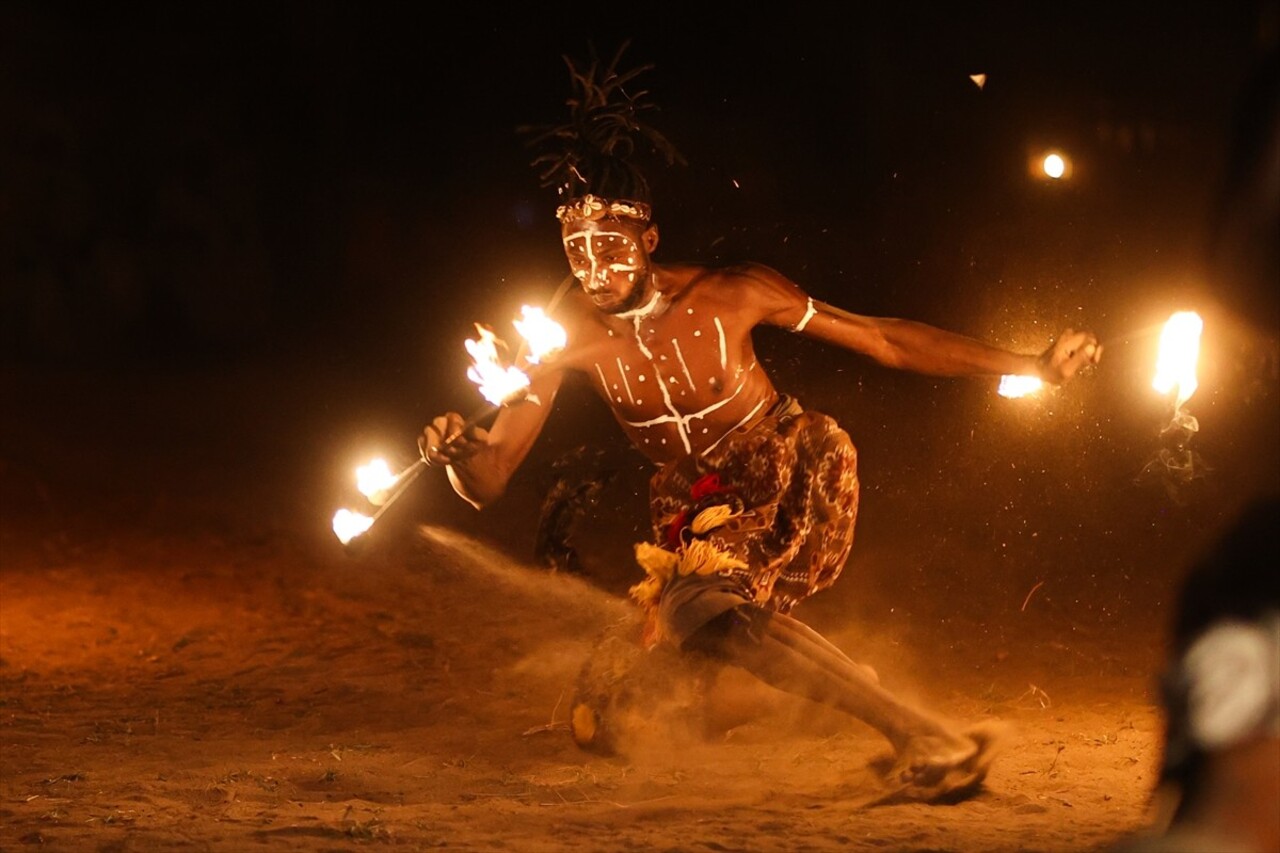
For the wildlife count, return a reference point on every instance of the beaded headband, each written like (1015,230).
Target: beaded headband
(593,207)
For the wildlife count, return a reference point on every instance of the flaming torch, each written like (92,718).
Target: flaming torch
(543,336)
(1176,463)
(1179,352)
(376,482)
(501,385)
(1014,385)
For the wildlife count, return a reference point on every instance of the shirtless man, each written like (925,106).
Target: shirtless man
(754,498)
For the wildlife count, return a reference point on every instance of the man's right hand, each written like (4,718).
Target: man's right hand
(443,441)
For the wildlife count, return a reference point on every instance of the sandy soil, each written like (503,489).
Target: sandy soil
(189,660)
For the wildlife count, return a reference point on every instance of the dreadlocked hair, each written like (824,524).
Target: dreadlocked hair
(594,152)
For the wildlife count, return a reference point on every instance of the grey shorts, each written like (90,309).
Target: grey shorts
(691,601)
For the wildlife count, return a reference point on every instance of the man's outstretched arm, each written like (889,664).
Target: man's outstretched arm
(919,347)
(910,345)
(481,462)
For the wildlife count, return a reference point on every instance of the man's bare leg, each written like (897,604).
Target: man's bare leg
(787,654)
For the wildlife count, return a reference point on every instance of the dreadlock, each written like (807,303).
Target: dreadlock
(594,152)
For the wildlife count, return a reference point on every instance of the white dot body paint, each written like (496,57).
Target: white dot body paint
(597,270)
(683,423)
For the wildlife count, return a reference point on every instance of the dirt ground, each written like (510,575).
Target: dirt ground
(190,661)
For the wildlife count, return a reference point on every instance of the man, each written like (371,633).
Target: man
(669,349)
(755,498)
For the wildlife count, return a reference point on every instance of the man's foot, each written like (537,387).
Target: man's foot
(935,769)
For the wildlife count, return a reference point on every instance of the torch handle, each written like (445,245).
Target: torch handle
(476,417)
(403,482)
(406,477)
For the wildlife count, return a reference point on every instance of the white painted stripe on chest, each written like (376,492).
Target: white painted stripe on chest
(724,359)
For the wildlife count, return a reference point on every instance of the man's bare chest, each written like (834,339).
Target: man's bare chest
(680,362)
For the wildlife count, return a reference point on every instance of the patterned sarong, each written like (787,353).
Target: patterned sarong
(767,515)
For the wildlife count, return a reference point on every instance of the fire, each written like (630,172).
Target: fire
(544,336)
(347,525)
(1018,386)
(1179,352)
(497,384)
(375,479)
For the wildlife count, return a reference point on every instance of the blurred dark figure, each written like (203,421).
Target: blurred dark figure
(1219,787)
(578,478)
(1219,784)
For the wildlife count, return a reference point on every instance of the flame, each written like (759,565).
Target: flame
(373,480)
(1013,386)
(1179,352)
(497,384)
(347,525)
(544,336)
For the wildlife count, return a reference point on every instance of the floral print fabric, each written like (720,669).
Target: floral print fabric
(790,485)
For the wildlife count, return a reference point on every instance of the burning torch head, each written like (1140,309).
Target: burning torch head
(498,384)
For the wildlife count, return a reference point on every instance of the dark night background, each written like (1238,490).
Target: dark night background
(243,233)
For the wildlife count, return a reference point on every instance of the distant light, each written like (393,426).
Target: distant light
(979,80)
(1054,166)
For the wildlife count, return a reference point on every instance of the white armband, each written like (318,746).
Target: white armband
(809,311)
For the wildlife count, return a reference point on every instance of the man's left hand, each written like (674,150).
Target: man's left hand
(1071,352)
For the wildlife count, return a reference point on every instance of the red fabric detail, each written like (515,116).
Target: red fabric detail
(673,529)
(707,484)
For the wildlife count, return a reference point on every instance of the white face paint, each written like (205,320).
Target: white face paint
(610,264)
